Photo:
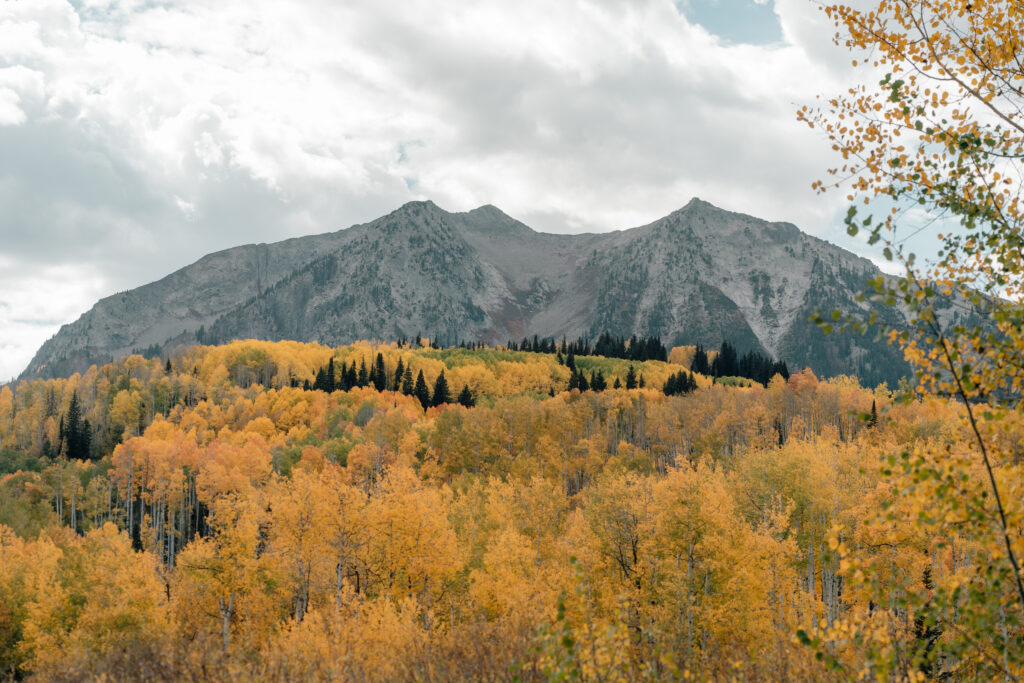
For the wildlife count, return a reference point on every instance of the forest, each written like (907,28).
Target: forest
(586,511)
(214,515)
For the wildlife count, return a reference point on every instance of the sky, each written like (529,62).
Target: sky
(137,136)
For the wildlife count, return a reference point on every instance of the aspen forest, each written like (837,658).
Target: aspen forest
(228,523)
(227,503)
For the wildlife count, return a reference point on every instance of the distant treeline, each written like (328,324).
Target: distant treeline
(728,363)
(635,348)
(331,377)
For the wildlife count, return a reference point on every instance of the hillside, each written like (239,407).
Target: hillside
(700,275)
(163,519)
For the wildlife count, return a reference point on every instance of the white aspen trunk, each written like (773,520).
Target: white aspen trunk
(689,604)
(130,498)
(59,503)
(810,568)
(226,612)
(170,540)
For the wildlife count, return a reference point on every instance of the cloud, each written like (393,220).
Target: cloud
(35,302)
(136,137)
(10,113)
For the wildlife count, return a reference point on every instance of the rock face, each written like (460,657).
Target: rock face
(699,275)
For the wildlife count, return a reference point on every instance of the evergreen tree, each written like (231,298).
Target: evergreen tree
(551,392)
(306,386)
(407,386)
(380,374)
(363,379)
(680,383)
(399,373)
(73,430)
(320,381)
(168,368)
(570,362)
(421,392)
(85,442)
(618,384)
(926,631)
(329,382)
(700,362)
(642,382)
(574,381)
(441,395)
(597,381)
(343,384)
(873,421)
(726,363)
(631,378)
(583,383)
(466,397)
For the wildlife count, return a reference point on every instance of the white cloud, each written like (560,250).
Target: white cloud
(35,302)
(139,137)
(10,113)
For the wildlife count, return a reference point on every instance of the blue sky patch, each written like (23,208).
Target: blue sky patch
(735,21)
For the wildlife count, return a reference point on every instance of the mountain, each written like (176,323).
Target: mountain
(698,275)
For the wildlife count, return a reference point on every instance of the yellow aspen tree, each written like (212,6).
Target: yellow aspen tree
(942,132)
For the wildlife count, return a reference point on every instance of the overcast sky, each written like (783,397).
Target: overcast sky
(136,136)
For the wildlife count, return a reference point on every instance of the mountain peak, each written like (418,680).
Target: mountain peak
(491,221)
(419,206)
(700,275)
(488,210)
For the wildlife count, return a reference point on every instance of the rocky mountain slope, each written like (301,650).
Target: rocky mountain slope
(699,275)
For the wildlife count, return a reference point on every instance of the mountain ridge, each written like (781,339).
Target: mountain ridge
(701,274)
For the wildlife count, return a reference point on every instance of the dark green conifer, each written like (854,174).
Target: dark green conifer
(441,395)
(421,391)
(342,384)
(399,373)
(380,374)
(700,363)
(320,381)
(466,397)
(631,378)
(407,386)
(76,440)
